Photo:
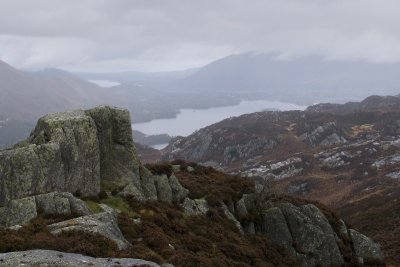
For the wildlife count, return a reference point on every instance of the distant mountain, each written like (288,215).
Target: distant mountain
(304,80)
(371,103)
(138,78)
(25,96)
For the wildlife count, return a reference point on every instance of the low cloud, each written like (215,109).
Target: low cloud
(109,35)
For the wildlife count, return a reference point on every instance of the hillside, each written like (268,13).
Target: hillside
(76,186)
(350,161)
(25,96)
(301,80)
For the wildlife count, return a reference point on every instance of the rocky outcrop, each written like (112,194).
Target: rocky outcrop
(278,170)
(305,232)
(325,135)
(61,204)
(253,147)
(313,237)
(368,251)
(81,152)
(62,154)
(119,165)
(20,211)
(195,206)
(33,258)
(104,223)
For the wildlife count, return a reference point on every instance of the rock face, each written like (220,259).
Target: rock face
(306,233)
(119,165)
(36,258)
(366,250)
(62,154)
(81,152)
(324,135)
(21,211)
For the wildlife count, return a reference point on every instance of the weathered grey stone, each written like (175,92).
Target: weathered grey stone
(147,181)
(275,228)
(76,135)
(53,203)
(325,134)
(241,210)
(190,169)
(176,168)
(104,223)
(368,251)
(61,203)
(250,149)
(312,235)
(195,206)
(78,206)
(119,164)
(245,204)
(231,217)
(179,193)
(60,155)
(164,192)
(50,258)
(18,212)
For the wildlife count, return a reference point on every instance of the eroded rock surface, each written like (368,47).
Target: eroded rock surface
(21,211)
(104,223)
(81,152)
(42,258)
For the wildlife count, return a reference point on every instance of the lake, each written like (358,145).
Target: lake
(104,83)
(190,120)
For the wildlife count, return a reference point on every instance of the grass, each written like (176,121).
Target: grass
(117,202)
(93,206)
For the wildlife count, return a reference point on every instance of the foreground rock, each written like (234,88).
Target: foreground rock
(81,152)
(306,233)
(38,258)
(366,250)
(21,211)
(104,223)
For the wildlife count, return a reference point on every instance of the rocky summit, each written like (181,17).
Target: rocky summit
(76,186)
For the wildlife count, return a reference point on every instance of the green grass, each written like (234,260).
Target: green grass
(118,203)
(93,206)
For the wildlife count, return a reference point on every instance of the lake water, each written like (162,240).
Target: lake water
(190,120)
(104,83)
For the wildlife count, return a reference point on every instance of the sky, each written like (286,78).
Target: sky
(166,35)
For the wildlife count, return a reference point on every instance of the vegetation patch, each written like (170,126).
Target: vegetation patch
(35,235)
(214,185)
(168,235)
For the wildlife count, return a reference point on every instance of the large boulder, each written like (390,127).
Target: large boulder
(38,258)
(274,226)
(367,251)
(62,154)
(104,223)
(82,152)
(313,237)
(20,211)
(119,165)
(64,203)
(195,206)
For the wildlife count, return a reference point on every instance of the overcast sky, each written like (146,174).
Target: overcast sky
(161,35)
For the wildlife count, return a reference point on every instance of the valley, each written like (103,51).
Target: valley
(349,161)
